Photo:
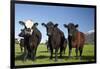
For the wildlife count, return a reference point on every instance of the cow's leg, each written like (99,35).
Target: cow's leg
(51,51)
(47,47)
(70,50)
(21,48)
(56,52)
(35,53)
(64,50)
(29,54)
(26,54)
(32,52)
(76,52)
(61,49)
(24,49)
(81,50)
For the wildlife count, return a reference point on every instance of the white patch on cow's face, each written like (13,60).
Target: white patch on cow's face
(31,31)
(29,23)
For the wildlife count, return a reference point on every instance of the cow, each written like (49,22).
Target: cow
(76,39)
(55,38)
(32,37)
(64,46)
(47,45)
(21,43)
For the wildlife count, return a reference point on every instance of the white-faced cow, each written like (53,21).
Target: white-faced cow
(76,38)
(32,37)
(55,38)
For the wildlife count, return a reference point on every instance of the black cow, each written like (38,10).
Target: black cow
(32,37)
(55,38)
(64,46)
(21,44)
(76,38)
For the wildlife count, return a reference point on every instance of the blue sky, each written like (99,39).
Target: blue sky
(61,15)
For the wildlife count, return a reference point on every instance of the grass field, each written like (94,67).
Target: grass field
(42,56)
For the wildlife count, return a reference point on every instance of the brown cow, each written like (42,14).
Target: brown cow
(76,38)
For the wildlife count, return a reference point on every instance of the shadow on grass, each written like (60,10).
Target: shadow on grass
(41,57)
(89,58)
(49,52)
(19,53)
(43,51)
(19,57)
(84,58)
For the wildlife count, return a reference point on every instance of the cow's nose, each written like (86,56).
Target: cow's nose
(28,29)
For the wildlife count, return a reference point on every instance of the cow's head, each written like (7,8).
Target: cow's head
(71,28)
(28,27)
(50,27)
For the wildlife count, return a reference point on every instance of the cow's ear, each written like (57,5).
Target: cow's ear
(21,29)
(65,26)
(43,24)
(76,25)
(35,24)
(55,25)
(21,23)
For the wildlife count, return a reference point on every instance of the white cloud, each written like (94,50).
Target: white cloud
(90,31)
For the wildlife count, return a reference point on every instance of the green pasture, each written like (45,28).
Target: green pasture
(42,56)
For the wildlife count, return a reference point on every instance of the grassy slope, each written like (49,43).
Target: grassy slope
(43,56)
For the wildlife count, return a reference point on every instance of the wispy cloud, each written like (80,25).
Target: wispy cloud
(90,31)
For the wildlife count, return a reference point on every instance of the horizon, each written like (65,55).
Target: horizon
(61,15)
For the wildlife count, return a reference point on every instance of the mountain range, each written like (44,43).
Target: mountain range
(89,37)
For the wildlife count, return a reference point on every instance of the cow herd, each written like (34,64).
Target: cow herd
(56,39)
